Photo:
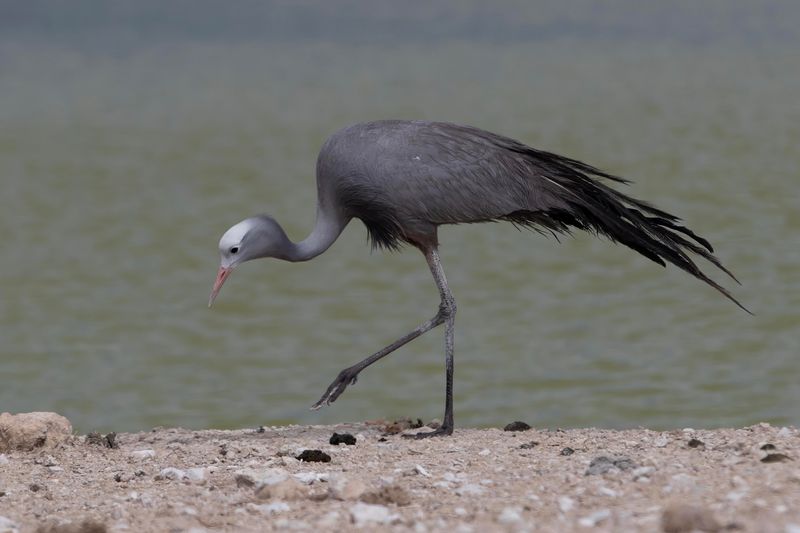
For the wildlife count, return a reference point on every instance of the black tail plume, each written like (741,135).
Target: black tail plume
(589,204)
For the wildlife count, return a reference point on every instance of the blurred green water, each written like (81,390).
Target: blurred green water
(121,171)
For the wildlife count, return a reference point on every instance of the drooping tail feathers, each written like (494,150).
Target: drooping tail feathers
(589,204)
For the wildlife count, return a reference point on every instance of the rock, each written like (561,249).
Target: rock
(8,526)
(566,504)
(529,445)
(661,441)
(680,518)
(317,456)
(696,443)
(175,474)
(365,513)
(389,494)
(27,431)
(270,508)
(603,465)
(250,477)
(307,478)
(143,454)
(3,459)
(775,458)
(288,489)
(784,432)
(768,447)
(470,489)
(510,515)
(108,441)
(196,474)
(642,472)
(484,452)
(567,451)
(517,426)
(344,488)
(419,469)
(342,438)
(595,518)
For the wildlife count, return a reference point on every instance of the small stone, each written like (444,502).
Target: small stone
(661,441)
(419,469)
(768,447)
(365,513)
(567,451)
(389,494)
(196,474)
(342,438)
(696,443)
(776,458)
(683,518)
(249,477)
(603,465)
(307,478)
(595,518)
(288,489)
(529,445)
(510,515)
(470,489)
(143,454)
(35,487)
(642,471)
(566,504)
(517,426)
(270,508)
(27,431)
(3,459)
(784,432)
(484,452)
(605,491)
(317,456)
(343,488)
(8,526)
(172,474)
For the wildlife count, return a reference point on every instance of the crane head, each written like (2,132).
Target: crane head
(252,238)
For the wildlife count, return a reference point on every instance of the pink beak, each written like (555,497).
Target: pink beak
(222,275)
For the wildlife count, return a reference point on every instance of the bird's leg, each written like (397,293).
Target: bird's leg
(349,375)
(447,310)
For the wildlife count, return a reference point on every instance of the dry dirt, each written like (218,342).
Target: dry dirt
(477,480)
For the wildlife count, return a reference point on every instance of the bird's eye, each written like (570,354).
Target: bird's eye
(234,249)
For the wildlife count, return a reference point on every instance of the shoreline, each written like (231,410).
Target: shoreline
(745,479)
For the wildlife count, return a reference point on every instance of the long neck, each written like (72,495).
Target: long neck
(326,230)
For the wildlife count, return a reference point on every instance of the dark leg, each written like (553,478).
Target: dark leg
(448,310)
(446,314)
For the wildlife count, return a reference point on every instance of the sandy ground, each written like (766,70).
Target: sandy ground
(477,480)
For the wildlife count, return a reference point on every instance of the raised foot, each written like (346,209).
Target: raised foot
(440,432)
(346,377)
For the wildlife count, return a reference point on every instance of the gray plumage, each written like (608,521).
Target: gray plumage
(403,179)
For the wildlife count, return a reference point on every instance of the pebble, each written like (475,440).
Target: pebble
(250,477)
(172,473)
(288,489)
(517,426)
(605,491)
(270,508)
(307,478)
(342,438)
(317,456)
(143,454)
(603,465)
(510,515)
(484,452)
(775,458)
(419,469)
(343,488)
(595,518)
(661,441)
(3,459)
(470,489)
(196,474)
(784,432)
(367,513)
(566,504)
(642,472)
(8,526)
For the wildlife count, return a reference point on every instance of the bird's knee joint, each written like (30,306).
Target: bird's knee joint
(448,308)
